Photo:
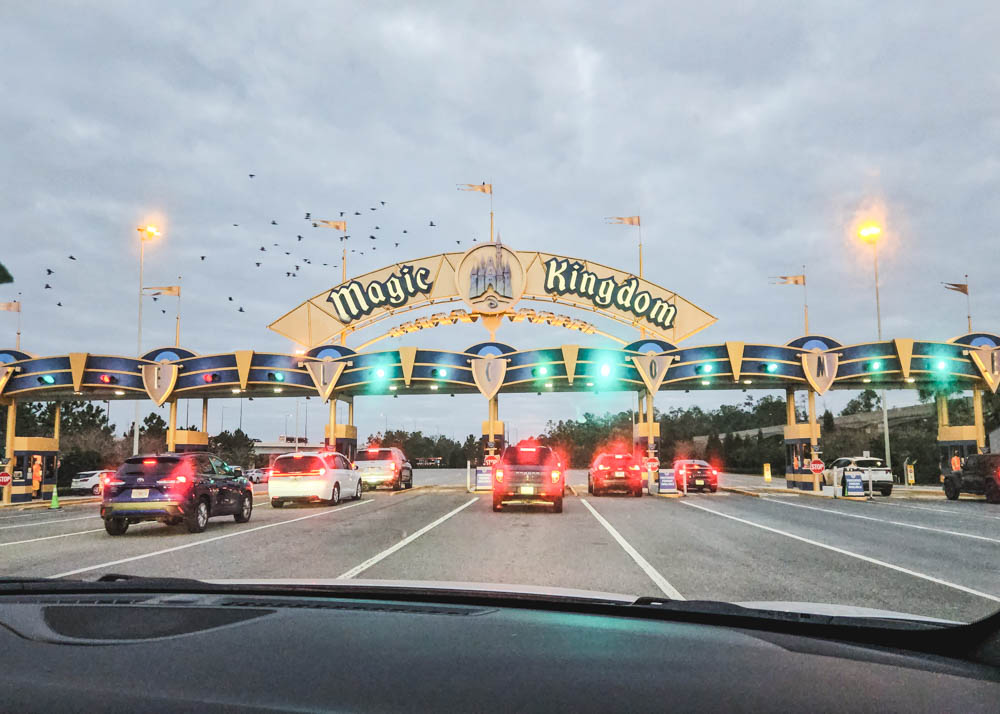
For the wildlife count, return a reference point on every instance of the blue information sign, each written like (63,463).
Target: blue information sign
(853,485)
(484,478)
(667,481)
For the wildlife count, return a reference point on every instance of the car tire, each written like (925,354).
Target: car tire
(590,485)
(335,495)
(277,503)
(638,492)
(557,505)
(197,521)
(951,490)
(116,526)
(409,479)
(246,510)
(992,491)
(96,490)
(886,490)
(497,505)
(713,489)
(357,492)
(397,483)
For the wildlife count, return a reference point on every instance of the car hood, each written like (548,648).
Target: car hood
(529,591)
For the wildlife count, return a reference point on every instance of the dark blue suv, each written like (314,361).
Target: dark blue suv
(174,488)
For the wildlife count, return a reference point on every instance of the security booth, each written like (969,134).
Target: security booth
(34,468)
(801,446)
(190,440)
(955,442)
(345,439)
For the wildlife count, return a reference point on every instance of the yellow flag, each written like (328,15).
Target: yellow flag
(790,280)
(174,290)
(335,225)
(625,220)
(10,306)
(478,187)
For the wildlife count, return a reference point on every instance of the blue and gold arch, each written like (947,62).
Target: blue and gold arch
(964,362)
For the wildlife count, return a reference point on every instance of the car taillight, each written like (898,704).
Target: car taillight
(715,472)
(149,461)
(394,466)
(633,467)
(602,467)
(172,481)
(499,475)
(556,475)
(113,481)
(682,472)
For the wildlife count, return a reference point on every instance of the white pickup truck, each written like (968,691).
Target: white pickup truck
(881,476)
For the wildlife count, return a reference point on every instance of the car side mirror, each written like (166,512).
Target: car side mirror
(354,467)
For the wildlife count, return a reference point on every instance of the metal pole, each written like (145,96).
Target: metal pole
(138,345)
(20,307)
(885,412)
(296,424)
(241,414)
(805,298)
(177,328)
(968,303)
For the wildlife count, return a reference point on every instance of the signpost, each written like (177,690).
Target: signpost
(854,487)
(484,478)
(5,481)
(816,466)
(667,483)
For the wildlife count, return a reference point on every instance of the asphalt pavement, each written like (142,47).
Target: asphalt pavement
(934,558)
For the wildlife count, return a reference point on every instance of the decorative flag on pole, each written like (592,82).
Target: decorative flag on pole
(477,187)
(10,306)
(174,290)
(625,220)
(5,277)
(958,287)
(790,279)
(335,225)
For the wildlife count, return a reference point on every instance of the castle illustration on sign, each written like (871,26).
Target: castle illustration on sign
(491,273)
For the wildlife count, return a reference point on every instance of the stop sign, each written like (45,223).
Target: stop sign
(4,479)
(491,459)
(652,463)
(816,466)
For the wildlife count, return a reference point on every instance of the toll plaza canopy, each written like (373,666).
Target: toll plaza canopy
(814,362)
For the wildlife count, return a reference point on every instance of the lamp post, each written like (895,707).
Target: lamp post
(870,233)
(146,233)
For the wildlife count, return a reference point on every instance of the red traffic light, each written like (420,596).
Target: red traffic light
(213,377)
(108,379)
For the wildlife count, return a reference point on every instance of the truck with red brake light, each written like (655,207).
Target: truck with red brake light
(529,473)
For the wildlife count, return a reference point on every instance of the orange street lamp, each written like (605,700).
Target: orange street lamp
(870,233)
(146,233)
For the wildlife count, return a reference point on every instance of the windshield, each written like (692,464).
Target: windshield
(659,299)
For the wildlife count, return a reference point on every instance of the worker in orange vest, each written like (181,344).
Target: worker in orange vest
(956,462)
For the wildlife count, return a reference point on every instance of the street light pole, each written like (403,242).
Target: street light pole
(145,233)
(871,234)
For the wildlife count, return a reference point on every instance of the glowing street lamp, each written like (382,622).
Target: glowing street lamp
(146,233)
(870,233)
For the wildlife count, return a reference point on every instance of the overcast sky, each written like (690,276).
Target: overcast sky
(751,136)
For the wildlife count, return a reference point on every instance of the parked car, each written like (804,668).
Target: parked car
(867,466)
(698,475)
(980,474)
(88,482)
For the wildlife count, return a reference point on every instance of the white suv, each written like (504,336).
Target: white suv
(311,476)
(89,481)
(881,477)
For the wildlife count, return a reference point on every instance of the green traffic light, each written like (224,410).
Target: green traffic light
(875,366)
(48,379)
(771,367)
(941,365)
(380,373)
(605,370)
(543,371)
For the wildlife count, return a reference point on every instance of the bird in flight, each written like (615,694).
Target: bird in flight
(315,225)
(202,257)
(341,214)
(164,312)
(262,248)
(404,230)
(308,215)
(236,225)
(458,242)
(299,237)
(372,237)
(258,265)
(72,258)
(382,202)
(432,224)
(59,304)
(252,175)
(47,286)
(357,213)
(49,271)
(230,298)
(372,209)
(376,227)
(274,222)
(241,309)
(397,245)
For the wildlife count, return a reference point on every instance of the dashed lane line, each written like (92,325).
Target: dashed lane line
(882,520)
(45,523)
(850,554)
(654,575)
(203,541)
(358,569)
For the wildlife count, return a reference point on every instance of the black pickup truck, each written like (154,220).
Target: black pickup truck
(979,474)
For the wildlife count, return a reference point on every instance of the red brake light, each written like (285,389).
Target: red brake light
(149,461)
(372,451)
(618,456)
(556,475)
(526,448)
(602,467)
(714,472)
(499,475)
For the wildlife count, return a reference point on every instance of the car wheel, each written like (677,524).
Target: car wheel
(197,521)
(397,483)
(409,479)
(951,490)
(557,505)
(590,485)
(96,490)
(116,526)
(886,490)
(357,492)
(277,503)
(335,496)
(246,508)
(638,492)
(713,489)
(992,491)
(497,505)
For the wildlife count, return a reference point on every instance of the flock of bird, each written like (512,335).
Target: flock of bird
(293,266)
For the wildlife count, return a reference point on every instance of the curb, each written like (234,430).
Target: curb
(740,491)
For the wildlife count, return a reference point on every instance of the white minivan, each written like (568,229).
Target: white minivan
(312,476)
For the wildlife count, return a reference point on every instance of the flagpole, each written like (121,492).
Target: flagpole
(491,210)
(642,330)
(805,298)
(177,329)
(19,308)
(343,279)
(968,303)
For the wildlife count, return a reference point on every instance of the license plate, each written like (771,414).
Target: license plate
(619,474)
(699,482)
(140,493)
(527,490)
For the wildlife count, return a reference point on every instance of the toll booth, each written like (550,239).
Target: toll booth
(802,444)
(34,468)
(959,440)
(190,440)
(345,440)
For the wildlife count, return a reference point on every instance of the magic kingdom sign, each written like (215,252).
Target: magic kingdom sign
(490,279)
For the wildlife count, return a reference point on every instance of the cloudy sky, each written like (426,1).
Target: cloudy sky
(751,136)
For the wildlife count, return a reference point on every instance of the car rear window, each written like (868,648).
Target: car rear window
(870,463)
(374,455)
(527,455)
(298,464)
(703,464)
(149,466)
(614,460)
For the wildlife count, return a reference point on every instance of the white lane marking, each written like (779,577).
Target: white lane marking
(952,511)
(45,523)
(654,575)
(882,520)
(850,554)
(63,535)
(358,569)
(203,541)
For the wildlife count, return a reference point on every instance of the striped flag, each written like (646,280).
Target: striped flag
(790,279)
(625,220)
(958,287)
(10,306)
(335,225)
(174,290)
(477,187)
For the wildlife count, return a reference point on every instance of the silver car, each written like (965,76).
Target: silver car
(89,481)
